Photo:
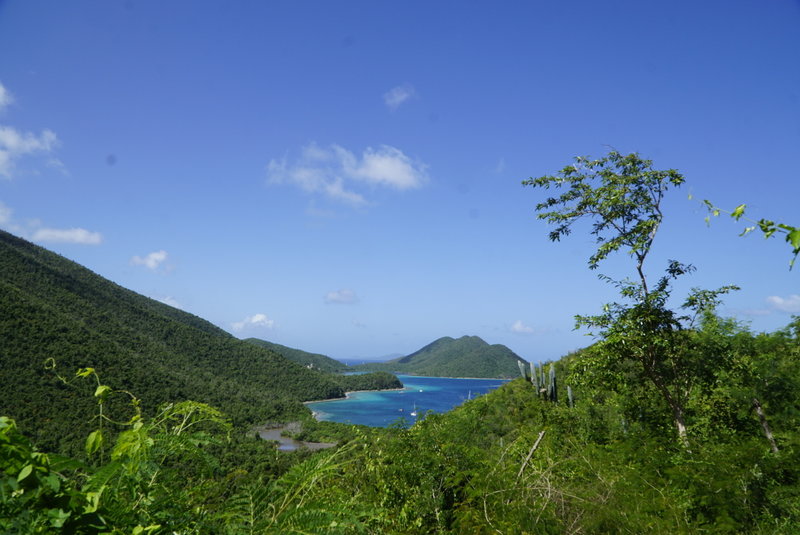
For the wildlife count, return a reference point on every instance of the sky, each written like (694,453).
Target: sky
(345,177)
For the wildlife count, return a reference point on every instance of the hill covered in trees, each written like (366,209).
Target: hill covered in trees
(314,361)
(52,308)
(468,356)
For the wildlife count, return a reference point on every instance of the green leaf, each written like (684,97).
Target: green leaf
(102,391)
(738,212)
(25,472)
(94,442)
(84,372)
(794,238)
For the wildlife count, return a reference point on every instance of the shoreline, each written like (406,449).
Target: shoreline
(347,395)
(473,378)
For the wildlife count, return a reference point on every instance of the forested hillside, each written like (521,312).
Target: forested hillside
(52,308)
(312,360)
(468,356)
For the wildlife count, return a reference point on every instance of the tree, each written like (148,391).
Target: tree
(621,195)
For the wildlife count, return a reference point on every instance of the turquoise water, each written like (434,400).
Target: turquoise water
(381,409)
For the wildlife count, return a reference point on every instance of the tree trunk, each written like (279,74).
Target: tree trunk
(680,424)
(763,419)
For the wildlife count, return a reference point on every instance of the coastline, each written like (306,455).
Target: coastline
(347,395)
(443,377)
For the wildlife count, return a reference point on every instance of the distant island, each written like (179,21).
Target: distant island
(468,356)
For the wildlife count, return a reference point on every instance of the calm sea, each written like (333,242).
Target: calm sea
(381,409)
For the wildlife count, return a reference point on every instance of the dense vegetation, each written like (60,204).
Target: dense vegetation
(508,462)
(675,420)
(468,356)
(53,308)
(310,360)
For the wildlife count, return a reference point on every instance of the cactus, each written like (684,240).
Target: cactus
(534,378)
(522,369)
(541,374)
(569,397)
(552,389)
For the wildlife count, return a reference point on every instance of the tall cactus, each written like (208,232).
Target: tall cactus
(569,397)
(541,374)
(552,389)
(522,369)
(535,378)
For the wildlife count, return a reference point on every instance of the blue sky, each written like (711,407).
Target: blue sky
(344,177)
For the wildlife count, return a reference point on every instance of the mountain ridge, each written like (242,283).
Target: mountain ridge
(467,356)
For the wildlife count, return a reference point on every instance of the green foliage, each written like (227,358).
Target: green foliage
(468,356)
(767,227)
(304,358)
(369,381)
(620,194)
(34,495)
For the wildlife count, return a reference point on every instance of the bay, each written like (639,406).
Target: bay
(387,407)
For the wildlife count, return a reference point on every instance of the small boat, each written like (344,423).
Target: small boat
(414,412)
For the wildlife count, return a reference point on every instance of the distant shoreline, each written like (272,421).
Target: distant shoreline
(443,377)
(347,395)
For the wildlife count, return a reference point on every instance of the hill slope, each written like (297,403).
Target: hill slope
(468,356)
(51,307)
(316,360)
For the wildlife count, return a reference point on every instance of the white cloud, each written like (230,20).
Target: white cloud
(341,297)
(33,230)
(15,145)
(789,304)
(5,97)
(151,261)
(71,235)
(337,172)
(256,320)
(397,95)
(520,328)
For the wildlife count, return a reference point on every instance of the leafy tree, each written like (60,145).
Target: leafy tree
(622,195)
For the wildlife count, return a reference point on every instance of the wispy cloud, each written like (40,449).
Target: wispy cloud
(150,261)
(339,174)
(70,235)
(34,231)
(5,98)
(790,305)
(520,328)
(397,95)
(256,320)
(15,145)
(341,297)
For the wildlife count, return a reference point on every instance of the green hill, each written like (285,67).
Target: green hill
(315,361)
(51,307)
(468,356)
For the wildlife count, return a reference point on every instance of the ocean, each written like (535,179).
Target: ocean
(420,395)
